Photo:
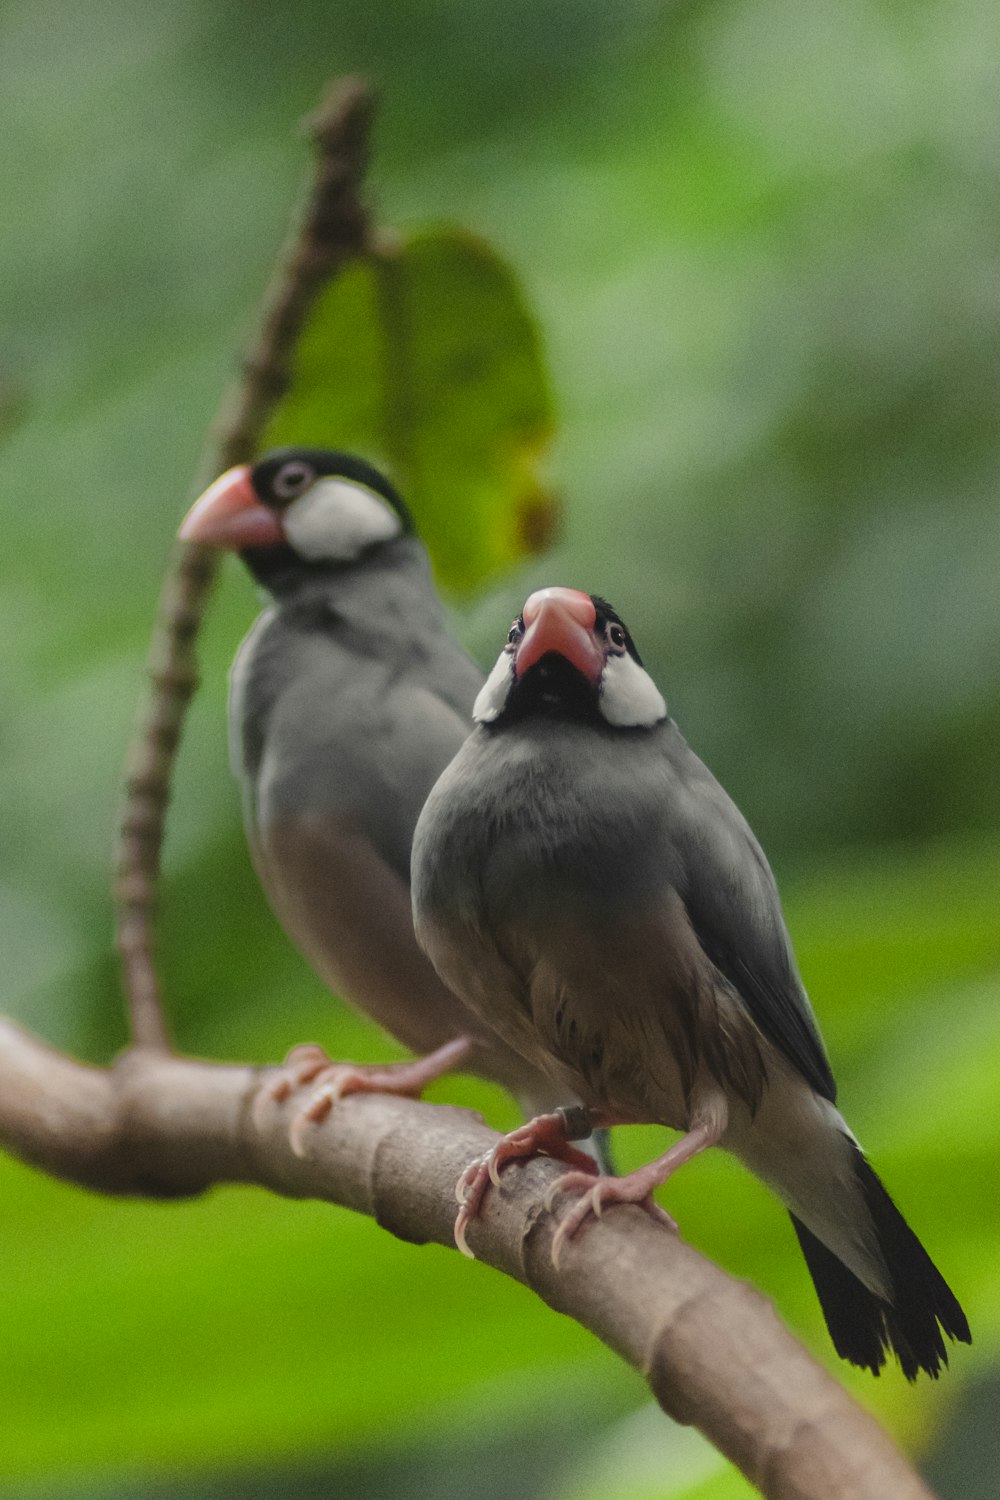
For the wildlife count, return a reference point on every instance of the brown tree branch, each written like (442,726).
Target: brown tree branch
(712,1348)
(333,228)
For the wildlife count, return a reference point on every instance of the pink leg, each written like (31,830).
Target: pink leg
(545,1135)
(310,1065)
(637,1187)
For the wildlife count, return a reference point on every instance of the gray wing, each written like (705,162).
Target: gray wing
(733,904)
(320,730)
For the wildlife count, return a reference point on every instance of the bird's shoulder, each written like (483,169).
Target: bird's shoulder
(324,729)
(286,668)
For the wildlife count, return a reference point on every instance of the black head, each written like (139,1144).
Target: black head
(296,511)
(283,474)
(570,655)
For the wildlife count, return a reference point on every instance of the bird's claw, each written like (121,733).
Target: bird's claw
(335,1080)
(464,1185)
(545,1135)
(595,1197)
(566,1183)
(301,1066)
(316,1111)
(461,1225)
(470,1190)
(509,1149)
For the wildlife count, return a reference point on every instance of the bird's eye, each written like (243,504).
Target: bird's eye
(292,478)
(616,636)
(515,631)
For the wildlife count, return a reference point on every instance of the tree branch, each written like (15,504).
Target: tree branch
(334,228)
(712,1348)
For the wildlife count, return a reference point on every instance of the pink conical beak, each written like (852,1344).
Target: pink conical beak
(560,620)
(230,515)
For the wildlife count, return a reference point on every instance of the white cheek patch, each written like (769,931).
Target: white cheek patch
(493,693)
(629,698)
(336,520)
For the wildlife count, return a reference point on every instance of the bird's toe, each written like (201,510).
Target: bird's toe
(302,1065)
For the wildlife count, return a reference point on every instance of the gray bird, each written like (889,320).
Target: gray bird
(347,700)
(585,884)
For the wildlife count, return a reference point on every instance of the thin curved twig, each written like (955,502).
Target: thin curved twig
(332,228)
(712,1348)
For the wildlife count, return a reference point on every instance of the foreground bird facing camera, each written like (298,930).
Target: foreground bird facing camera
(347,700)
(586,885)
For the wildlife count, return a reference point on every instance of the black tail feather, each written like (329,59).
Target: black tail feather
(863,1326)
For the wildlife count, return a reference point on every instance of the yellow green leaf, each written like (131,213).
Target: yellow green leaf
(427,358)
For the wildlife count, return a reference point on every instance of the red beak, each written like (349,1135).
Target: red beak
(230,515)
(560,620)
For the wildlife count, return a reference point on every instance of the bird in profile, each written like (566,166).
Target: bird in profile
(584,883)
(347,699)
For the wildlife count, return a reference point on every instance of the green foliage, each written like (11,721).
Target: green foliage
(761,240)
(427,356)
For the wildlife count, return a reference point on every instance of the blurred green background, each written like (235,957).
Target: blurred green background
(763,243)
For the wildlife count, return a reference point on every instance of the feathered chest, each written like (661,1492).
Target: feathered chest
(546,886)
(549,821)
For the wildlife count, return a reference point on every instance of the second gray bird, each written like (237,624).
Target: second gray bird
(347,699)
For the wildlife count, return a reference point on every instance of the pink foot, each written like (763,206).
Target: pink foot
(594,1196)
(300,1067)
(638,1186)
(406,1079)
(546,1135)
(310,1065)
